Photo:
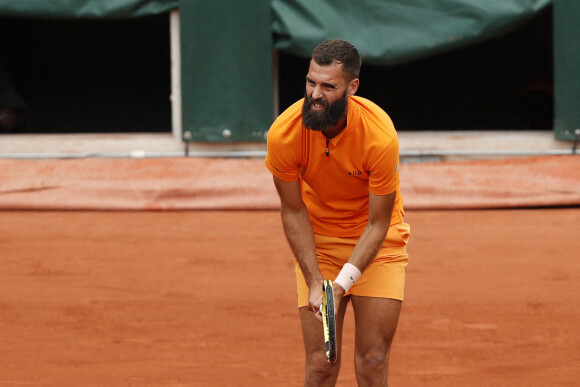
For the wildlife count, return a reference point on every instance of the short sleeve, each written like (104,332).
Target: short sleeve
(383,167)
(281,158)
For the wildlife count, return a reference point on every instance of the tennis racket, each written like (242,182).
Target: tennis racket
(329,321)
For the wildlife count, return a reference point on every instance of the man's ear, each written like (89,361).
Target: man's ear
(352,87)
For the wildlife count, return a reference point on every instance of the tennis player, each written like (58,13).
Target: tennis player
(335,161)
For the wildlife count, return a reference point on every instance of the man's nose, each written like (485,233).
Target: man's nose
(317,92)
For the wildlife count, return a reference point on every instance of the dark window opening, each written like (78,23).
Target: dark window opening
(87,76)
(500,84)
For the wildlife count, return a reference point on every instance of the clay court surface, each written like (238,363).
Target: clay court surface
(207,297)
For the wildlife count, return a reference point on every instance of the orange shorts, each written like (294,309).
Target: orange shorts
(384,277)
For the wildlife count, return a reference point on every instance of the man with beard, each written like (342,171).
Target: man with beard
(334,157)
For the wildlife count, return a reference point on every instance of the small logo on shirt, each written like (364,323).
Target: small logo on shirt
(354,173)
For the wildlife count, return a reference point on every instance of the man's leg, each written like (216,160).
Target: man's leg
(376,321)
(318,371)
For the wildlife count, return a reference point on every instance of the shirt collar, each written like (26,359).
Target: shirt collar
(351,118)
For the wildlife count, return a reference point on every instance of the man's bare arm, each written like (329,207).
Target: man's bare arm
(371,240)
(300,235)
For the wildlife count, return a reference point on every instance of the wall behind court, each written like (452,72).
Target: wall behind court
(227,45)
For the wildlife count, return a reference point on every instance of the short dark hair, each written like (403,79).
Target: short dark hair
(339,51)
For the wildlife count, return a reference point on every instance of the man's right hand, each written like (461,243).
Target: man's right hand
(315,298)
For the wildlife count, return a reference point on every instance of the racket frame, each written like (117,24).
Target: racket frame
(329,321)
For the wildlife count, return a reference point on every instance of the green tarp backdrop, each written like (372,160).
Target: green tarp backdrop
(391,32)
(227,45)
(90,9)
(227,79)
(228,95)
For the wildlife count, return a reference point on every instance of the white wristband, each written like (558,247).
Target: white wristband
(347,276)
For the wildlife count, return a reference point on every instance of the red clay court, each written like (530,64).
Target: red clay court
(176,272)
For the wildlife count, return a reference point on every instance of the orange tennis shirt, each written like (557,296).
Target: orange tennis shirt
(337,175)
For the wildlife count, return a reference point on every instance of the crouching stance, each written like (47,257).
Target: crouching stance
(335,163)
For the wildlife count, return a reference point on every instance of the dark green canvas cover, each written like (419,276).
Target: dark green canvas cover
(227,79)
(389,32)
(88,9)
(386,32)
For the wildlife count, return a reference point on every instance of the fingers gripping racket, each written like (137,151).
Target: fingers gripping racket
(329,321)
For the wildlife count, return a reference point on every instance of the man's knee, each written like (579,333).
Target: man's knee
(372,365)
(320,370)
(373,359)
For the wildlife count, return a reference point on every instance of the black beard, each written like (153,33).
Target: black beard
(328,118)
